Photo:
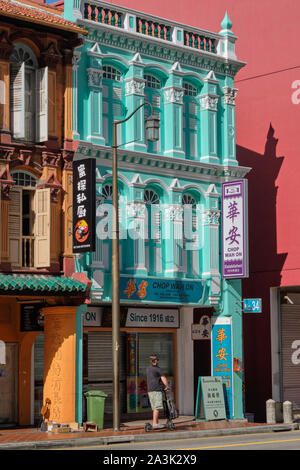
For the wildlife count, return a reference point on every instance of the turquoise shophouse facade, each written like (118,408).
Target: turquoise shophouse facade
(171,286)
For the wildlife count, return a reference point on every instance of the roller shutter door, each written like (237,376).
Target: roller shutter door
(290,353)
(100,367)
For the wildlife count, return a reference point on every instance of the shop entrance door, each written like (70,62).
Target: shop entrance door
(9,386)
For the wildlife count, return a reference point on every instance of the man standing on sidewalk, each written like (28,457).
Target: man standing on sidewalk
(156,382)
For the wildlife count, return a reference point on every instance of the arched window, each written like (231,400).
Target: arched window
(190,121)
(28,96)
(153,96)
(24,178)
(153,231)
(112,102)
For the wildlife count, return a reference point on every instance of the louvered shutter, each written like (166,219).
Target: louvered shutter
(17,100)
(15,227)
(42,104)
(290,345)
(42,208)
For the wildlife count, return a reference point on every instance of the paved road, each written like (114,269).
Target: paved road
(289,440)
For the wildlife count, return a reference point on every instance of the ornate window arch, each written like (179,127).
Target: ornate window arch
(28,95)
(152,82)
(112,73)
(24,178)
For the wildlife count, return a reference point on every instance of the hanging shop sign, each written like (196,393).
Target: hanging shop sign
(84,205)
(158,290)
(201,330)
(92,316)
(32,318)
(152,318)
(210,403)
(222,358)
(235,229)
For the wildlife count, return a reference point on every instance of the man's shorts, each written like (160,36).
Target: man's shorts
(156,401)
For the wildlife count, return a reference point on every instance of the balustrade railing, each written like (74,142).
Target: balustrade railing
(28,251)
(155,27)
(102,15)
(197,41)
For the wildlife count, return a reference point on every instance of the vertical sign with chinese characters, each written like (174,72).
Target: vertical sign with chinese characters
(235,229)
(84,205)
(222,359)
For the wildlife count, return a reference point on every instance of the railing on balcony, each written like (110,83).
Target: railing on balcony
(102,15)
(28,251)
(151,26)
(197,41)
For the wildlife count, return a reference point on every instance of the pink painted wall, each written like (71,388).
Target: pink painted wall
(268,40)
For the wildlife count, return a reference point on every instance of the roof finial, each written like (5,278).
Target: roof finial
(226,25)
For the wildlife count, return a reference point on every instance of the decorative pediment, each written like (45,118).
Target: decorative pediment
(137,180)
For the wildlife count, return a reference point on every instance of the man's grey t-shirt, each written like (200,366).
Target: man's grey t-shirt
(154,382)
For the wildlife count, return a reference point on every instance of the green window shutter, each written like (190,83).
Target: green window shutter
(42,104)
(17,100)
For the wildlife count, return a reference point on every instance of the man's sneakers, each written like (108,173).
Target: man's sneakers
(158,426)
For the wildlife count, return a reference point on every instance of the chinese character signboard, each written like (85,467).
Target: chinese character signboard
(158,290)
(210,404)
(84,205)
(201,330)
(235,229)
(222,361)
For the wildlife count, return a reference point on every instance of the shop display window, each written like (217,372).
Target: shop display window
(139,347)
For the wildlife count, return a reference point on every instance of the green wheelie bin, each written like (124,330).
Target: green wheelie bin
(95,407)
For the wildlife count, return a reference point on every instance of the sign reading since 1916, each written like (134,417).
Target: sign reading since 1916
(152,318)
(84,205)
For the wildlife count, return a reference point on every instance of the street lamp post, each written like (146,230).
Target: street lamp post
(152,134)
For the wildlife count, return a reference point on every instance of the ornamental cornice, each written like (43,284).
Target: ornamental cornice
(155,47)
(162,165)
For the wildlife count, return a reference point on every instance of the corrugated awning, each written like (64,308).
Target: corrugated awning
(22,284)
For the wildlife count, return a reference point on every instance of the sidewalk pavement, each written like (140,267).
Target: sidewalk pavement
(133,431)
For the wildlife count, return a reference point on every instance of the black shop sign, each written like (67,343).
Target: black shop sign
(84,205)
(32,318)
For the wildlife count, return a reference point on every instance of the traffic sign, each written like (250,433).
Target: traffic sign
(252,305)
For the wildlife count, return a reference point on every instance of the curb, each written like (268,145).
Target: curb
(131,438)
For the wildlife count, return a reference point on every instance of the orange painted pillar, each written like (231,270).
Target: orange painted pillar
(59,362)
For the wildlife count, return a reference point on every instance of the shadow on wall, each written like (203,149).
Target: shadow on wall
(265,266)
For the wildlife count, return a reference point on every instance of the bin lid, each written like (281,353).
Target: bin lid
(95,393)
